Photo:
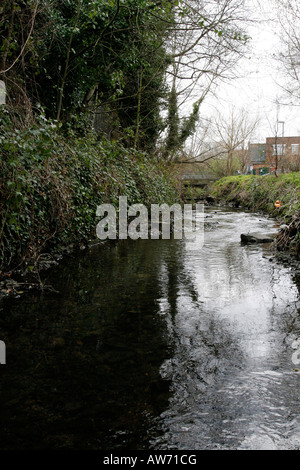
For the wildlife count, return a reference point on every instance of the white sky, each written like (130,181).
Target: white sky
(257,91)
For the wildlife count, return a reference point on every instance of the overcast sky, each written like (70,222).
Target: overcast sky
(257,91)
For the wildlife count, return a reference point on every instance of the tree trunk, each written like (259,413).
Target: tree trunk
(63,82)
(138,115)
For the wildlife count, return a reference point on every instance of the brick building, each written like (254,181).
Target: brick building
(283,153)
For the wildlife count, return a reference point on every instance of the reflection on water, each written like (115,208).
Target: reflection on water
(151,345)
(233,381)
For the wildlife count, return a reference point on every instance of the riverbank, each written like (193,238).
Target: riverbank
(260,193)
(50,186)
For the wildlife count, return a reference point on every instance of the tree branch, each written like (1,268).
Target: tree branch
(25,44)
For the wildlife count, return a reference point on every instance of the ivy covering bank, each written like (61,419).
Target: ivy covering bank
(93,92)
(260,193)
(51,184)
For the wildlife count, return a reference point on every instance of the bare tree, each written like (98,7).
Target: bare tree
(288,58)
(223,138)
(207,40)
(202,145)
(233,133)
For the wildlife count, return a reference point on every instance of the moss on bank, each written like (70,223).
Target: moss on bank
(259,193)
(51,184)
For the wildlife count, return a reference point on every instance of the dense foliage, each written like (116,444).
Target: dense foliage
(103,57)
(51,186)
(112,61)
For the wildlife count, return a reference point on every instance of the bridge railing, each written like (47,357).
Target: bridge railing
(198,177)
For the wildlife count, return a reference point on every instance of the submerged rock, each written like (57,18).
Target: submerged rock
(257,238)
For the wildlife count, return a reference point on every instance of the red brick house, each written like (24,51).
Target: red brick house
(283,153)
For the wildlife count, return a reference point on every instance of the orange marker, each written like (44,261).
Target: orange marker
(277,203)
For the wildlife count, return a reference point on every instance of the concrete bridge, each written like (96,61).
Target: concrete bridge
(197,180)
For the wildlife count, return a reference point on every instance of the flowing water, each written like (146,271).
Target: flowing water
(149,345)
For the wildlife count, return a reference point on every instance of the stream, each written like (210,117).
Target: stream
(149,345)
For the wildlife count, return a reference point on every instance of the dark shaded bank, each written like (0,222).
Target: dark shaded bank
(50,186)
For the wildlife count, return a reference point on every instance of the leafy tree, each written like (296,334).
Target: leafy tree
(178,132)
(84,54)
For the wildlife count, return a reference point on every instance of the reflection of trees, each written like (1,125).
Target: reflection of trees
(226,296)
(84,364)
(202,345)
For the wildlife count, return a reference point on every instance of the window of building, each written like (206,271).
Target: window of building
(280,149)
(295,149)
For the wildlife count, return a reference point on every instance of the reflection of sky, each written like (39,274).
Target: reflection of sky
(239,286)
(227,320)
(230,282)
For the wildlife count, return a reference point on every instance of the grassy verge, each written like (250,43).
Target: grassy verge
(259,193)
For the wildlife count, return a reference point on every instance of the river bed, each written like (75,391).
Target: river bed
(150,345)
